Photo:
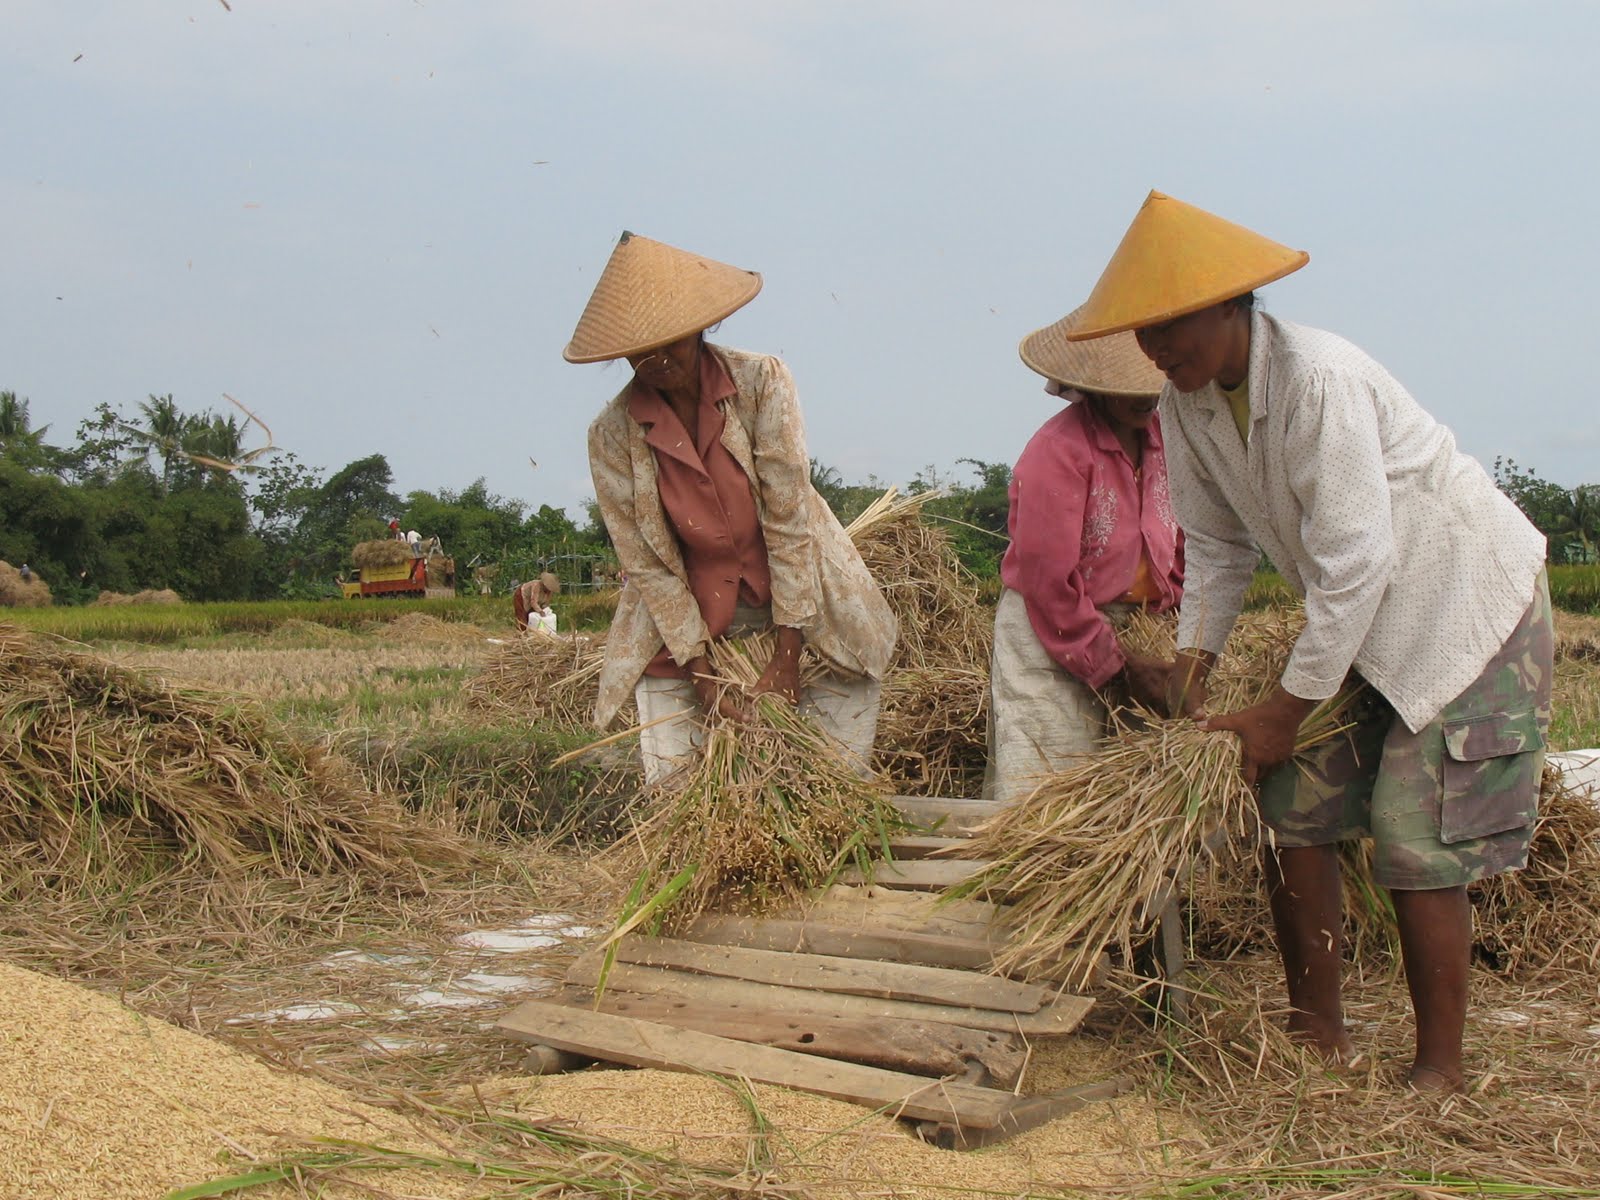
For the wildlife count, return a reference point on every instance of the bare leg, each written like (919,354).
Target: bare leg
(1436,940)
(1307,908)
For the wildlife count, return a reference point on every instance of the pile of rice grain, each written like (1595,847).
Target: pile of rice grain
(102,1102)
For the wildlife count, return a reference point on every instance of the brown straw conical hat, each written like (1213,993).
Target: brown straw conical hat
(650,294)
(1177,259)
(1108,366)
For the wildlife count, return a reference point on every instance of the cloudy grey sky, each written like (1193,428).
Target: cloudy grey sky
(376,221)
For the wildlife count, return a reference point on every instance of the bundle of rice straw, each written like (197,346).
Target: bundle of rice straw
(17,592)
(1088,860)
(765,811)
(148,596)
(543,677)
(1546,915)
(933,723)
(109,776)
(381,552)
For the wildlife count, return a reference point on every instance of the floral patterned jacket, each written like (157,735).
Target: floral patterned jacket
(1080,520)
(819,583)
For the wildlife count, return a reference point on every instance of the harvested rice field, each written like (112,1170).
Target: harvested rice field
(193,998)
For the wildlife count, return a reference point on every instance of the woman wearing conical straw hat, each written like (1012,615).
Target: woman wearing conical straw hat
(1092,534)
(702,476)
(1420,578)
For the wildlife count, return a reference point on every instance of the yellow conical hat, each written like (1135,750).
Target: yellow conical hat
(1109,366)
(650,294)
(1177,259)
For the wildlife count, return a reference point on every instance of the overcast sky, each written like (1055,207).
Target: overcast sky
(377,221)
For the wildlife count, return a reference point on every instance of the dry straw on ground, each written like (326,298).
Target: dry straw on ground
(17,592)
(543,677)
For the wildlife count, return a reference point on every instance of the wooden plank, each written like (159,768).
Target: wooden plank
(1061,1016)
(913,912)
(917,875)
(916,1047)
(650,1044)
(883,945)
(820,937)
(946,817)
(1029,1112)
(834,973)
(909,846)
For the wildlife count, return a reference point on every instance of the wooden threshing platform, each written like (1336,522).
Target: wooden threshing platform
(867,993)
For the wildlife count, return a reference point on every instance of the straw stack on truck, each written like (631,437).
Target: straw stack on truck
(390,567)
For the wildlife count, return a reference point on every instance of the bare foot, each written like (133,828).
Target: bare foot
(1327,1038)
(1433,1080)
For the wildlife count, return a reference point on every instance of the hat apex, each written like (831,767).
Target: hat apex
(1177,259)
(651,294)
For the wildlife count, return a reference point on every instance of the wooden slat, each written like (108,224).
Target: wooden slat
(916,1047)
(834,973)
(916,875)
(820,937)
(887,908)
(911,846)
(946,817)
(1061,1016)
(649,1044)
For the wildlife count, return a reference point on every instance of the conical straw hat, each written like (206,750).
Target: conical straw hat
(1109,366)
(650,294)
(1177,259)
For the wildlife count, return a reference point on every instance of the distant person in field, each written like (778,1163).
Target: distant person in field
(1424,586)
(1092,538)
(702,476)
(530,599)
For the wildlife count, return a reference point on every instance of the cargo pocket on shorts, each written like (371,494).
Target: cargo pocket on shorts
(1490,775)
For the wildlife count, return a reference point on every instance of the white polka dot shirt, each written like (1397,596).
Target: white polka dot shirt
(1415,568)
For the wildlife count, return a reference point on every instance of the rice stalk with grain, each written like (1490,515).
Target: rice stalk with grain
(764,810)
(1090,858)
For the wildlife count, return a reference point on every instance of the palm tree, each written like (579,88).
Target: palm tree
(14,420)
(1582,518)
(163,432)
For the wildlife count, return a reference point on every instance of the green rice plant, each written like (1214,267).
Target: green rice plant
(1576,588)
(168,623)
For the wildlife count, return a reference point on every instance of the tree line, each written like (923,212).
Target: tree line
(163,498)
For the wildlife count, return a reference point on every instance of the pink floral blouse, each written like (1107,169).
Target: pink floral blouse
(1081,518)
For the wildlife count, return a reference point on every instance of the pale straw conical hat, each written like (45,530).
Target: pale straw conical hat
(1177,259)
(651,294)
(1108,366)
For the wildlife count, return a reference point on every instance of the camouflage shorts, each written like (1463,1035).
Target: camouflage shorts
(1447,805)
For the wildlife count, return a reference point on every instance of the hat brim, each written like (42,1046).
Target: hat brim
(1158,315)
(697,324)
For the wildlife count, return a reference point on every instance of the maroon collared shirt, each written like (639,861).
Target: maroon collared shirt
(709,503)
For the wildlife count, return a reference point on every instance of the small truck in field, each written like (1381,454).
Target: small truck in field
(431,574)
